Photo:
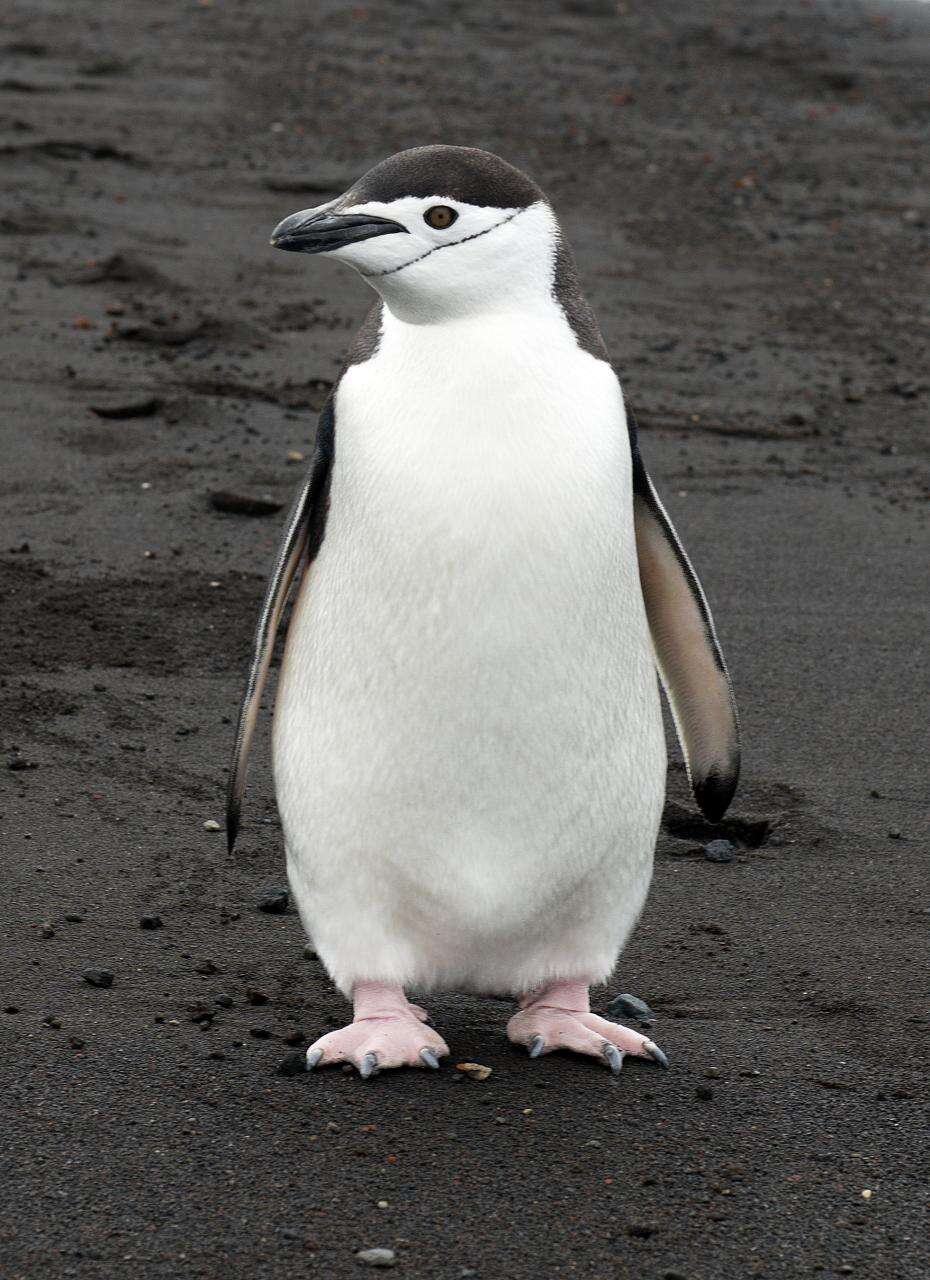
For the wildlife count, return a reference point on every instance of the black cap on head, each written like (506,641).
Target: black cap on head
(457,173)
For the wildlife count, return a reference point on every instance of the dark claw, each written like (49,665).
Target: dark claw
(537,1044)
(614,1057)
(369,1066)
(427,1056)
(654,1052)
(313,1057)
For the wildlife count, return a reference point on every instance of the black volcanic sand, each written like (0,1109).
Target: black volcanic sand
(742,183)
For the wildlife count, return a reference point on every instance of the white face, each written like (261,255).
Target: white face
(452,258)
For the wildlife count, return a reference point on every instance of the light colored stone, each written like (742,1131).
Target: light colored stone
(474,1070)
(377,1257)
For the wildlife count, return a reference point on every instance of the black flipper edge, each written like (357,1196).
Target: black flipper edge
(303,535)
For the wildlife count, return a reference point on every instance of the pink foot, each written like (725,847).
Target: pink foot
(386,1031)
(559,1017)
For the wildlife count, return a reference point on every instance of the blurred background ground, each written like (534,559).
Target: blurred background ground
(745,188)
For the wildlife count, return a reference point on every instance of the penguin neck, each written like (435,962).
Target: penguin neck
(424,311)
(419,310)
(512,337)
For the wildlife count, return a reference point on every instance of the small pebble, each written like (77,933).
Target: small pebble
(719,851)
(97,977)
(294,1038)
(629,1006)
(224,1001)
(242,504)
(74,917)
(254,996)
(51,1021)
(641,1230)
(704,1092)
(46,930)
(292,1064)
(150,922)
(140,407)
(75,1042)
(474,1070)
(310,952)
(377,1257)
(712,1073)
(206,967)
(383,1204)
(11,1008)
(274,901)
(260,1033)
(894,833)
(211,824)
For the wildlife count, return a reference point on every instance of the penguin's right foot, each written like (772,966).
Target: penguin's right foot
(387,1031)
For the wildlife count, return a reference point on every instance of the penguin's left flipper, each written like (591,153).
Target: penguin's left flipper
(303,534)
(688,654)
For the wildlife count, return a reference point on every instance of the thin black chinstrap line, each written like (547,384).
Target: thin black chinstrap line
(373,275)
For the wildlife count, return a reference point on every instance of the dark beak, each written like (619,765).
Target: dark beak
(312,232)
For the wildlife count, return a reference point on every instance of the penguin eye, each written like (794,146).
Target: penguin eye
(439,217)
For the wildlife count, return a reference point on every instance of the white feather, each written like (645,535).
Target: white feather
(468,747)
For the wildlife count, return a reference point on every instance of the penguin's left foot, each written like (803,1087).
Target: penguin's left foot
(559,1016)
(387,1031)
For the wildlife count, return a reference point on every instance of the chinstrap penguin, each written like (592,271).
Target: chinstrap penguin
(468,747)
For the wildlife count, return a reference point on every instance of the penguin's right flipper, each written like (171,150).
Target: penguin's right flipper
(303,535)
(688,653)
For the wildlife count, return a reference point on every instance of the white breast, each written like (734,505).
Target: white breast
(468,747)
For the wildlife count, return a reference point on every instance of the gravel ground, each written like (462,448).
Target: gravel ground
(743,187)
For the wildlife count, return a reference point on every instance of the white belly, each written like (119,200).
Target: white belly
(468,747)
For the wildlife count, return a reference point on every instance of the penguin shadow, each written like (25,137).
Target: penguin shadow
(773,816)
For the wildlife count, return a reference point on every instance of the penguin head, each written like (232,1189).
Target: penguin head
(438,232)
